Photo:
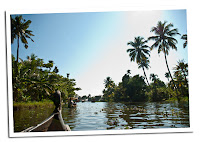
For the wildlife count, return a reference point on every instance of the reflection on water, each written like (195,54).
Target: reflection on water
(105,116)
(25,118)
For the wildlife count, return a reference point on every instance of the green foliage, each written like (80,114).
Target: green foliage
(109,89)
(32,105)
(164,40)
(184,37)
(140,53)
(180,77)
(131,89)
(33,81)
(19,30)
(136,88)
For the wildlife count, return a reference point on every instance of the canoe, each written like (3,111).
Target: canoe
(55,121)
(52,123)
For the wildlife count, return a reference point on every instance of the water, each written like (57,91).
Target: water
(26,118)
(106,116)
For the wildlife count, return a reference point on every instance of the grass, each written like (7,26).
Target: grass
(32,105)
(183,99)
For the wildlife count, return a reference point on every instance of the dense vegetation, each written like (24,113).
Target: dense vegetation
(134,88)
(33,79)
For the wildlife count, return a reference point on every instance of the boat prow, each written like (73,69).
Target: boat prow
(54,122)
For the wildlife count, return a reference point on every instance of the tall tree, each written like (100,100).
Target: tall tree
(109,89)
(144,64)
(108,82)
(128,72)
(19,30)
(181,69)
(139,53)
(167,75)
(153,77)
(125,78)
(180,77)
(164,40)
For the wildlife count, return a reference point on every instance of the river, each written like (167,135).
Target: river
(110,115)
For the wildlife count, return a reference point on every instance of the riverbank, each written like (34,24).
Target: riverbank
(182,99)
(32,105)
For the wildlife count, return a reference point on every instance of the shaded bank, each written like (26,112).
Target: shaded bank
(32,105)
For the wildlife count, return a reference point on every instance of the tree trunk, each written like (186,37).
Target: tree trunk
(171,75)
(17,49)
(169,70)
(145,76)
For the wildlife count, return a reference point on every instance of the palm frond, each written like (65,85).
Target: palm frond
(23,39)
(173,32)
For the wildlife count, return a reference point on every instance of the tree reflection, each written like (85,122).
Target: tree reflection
(69,116)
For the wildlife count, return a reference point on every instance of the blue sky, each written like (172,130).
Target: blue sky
(92,45)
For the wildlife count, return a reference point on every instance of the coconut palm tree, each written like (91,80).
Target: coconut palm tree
(144,64)
(164,40)
(128,72)
(19,30)
(139,53)
(153,77)
(108,92)
(167,75)
(108,82)
(181,69)
(184,37)
(140,50)
(180,77)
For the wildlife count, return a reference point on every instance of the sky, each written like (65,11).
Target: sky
(92,45)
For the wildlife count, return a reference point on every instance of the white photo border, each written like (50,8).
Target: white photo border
(78,133)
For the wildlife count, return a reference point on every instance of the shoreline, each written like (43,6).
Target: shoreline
(32,105)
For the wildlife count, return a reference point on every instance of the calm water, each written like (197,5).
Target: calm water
(105,116)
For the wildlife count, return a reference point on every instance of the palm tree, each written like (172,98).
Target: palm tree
(144,64)
(181,70)
(184,37)
(128,72)
(164,40)
(139,53)
(108,82)
(153,77)
(167,75)
(108,92)
(19,30)
(180,76)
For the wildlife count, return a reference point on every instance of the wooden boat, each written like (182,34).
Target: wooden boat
(93,100)
(71,103)
(54,122)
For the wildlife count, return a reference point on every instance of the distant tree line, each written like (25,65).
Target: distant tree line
(90,98)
